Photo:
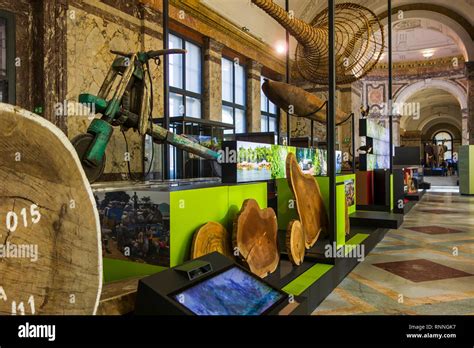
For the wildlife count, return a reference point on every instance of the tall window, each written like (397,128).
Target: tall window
(7,58)
(269,120)
(233,95)
(447,139)
(185,79)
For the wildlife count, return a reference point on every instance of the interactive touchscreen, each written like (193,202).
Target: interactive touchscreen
(233,292)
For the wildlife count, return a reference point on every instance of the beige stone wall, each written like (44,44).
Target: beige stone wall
(301,127)
(212,78)
(344,102)
(254,70)
(89,41)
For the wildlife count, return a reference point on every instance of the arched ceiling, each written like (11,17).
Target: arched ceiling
(436,106)
(423,34)
(414,37)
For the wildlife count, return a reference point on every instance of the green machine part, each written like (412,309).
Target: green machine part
(158,133)
(89,99)
(102,131)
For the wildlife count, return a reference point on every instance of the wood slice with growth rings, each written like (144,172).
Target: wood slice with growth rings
(47,206)
(309,202)
(295,242)
(209,238)
(255,236)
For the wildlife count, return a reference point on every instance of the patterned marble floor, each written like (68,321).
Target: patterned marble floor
(424,267)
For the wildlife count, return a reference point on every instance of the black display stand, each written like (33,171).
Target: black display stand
(154,296)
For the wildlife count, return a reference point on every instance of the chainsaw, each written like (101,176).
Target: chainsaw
(125,100)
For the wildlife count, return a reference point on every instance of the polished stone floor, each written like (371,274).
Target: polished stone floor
(424,267)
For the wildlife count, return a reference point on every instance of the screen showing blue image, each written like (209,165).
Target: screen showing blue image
(233,292)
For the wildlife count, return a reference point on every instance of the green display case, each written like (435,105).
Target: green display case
(466,170)
(190,209)
(148,227)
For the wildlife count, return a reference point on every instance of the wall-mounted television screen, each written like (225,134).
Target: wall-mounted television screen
(257,161)
(232,292)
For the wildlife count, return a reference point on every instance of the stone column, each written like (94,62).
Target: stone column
(212,93)
(465,126)
(470,100)
(49,55)
(396,130)
(253,114)
(344,131)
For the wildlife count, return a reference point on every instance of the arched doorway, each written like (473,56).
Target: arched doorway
(445,138)
(436,129)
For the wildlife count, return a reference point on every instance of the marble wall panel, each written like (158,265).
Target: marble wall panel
(90,37)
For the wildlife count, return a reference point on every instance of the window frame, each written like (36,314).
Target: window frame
(268,114)
(233,104)
(182,91)
(10,46)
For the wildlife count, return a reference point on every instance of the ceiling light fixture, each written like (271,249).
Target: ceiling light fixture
(280,47)
(428,53)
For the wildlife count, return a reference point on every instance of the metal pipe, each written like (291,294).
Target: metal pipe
(166,90)
(288,116)
(390,75)
(353,143)
(331,124)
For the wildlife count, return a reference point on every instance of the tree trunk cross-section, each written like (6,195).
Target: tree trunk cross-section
(50,245)
(295,242)
(209,238)
(255,236)
(309,202)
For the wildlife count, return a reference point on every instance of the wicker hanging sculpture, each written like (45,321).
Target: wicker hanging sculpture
(359,41)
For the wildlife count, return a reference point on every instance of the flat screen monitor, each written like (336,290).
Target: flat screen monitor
(407,156)
(259,162)
(232,292)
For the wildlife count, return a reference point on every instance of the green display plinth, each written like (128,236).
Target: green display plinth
(190,209)
(149,227)
(466,170)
